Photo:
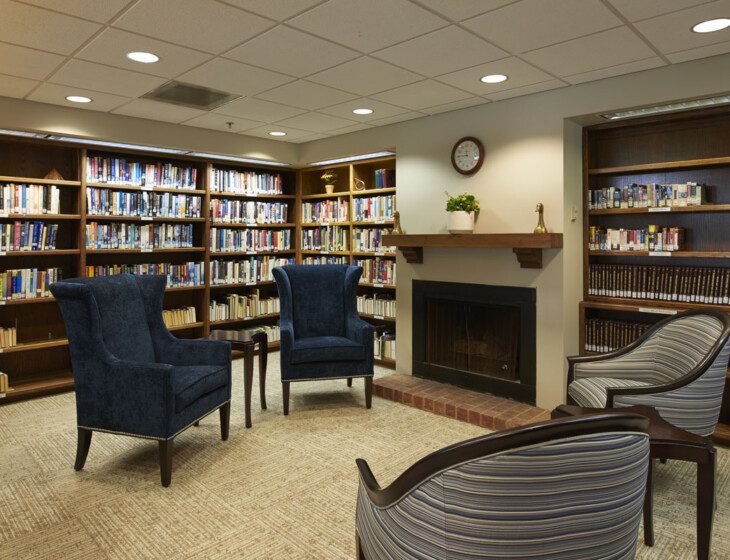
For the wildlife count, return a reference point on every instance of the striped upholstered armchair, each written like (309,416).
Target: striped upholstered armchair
(678,367)
(570,488)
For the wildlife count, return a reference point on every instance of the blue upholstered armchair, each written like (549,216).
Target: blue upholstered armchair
(571,488)
(322,336)
(132,376)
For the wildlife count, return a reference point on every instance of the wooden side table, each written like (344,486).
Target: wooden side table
(246,340)
(669,442)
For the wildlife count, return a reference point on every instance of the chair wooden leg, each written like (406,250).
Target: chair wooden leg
(248,383)
(649,509)
(166,461)
(359,554)
(285,392)
(263,357)
(82,447)
(225,412)
(705,504)
(349,381)
(196,423)
(368,391)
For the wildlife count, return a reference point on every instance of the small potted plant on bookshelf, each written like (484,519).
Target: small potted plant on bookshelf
(330,178)
(462,211)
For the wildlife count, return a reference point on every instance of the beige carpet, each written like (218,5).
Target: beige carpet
(284,489)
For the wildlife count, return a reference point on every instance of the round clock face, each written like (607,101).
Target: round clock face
(467,155)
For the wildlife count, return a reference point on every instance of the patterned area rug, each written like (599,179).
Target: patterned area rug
(284,489)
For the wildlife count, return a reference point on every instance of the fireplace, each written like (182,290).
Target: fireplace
(476,336)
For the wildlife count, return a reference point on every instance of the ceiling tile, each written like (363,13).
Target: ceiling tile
(463,104)
(201,24)
(531,24)
(422,94)
(700,52)
(380,110)
(635,11)
(11,86)
(351,128)
(56,94)
(112,45)
(87,9)
(306,95)
(608,48)
(462,9)
(527,90)
(310,138)
(673,32)
(518,72)
(368,26)
(639,65)
(442,51)
(275,9)
(315,122)
(33,27)
(148,109)
(257,109)
(97,77)
(398,118)
(365,76)
(233,77)
(27,63)
(291,51)
(263,132)
(215,121)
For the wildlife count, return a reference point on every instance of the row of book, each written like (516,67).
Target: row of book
(20,198)
(652,195)
(4,384)
(107,202)
(178,317)
(325,211)
(377,271)
(8,337)
(233,239)
(605,335)
(384,345)
(273,332)
(667,283)
(27,283)
(325,238)
(245,271)
(121,171)
(248,211)
(374,208)
(378,305)
(325,259)
(243,306)
(246,182)
(115,235)
(178,274)
(384,178)
(651,238)
(28,236)
(371,240)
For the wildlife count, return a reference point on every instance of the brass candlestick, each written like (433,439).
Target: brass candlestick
(396,223)
(540,222)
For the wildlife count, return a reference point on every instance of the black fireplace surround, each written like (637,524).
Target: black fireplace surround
(476,336)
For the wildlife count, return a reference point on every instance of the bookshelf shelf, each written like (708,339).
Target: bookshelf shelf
(249,226)
(639,305)
(377,317)
(184,288)
(25,301)
(663,254)
(374,223)
(660,166)
(325,195)
(250,253)
(374,192)
(232,285)
(377,285)
(247,320)
(387,362)
(29,180)
(186,326)
(324,224)
(150,189)
(49,252)
(662,210)
(216,194)
(54,382)
(157,219)
(40,216)
(39,345)
(145,251)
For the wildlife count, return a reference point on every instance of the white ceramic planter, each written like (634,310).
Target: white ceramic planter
(460,222)
(329,189)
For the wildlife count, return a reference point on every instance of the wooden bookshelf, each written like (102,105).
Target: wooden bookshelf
(692,146)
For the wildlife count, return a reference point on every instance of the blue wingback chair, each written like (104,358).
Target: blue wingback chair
(132,376)
(322,336)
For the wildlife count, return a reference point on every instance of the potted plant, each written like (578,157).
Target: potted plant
(330,178)
(462,210)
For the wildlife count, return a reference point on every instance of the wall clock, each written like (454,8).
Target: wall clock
(468,155)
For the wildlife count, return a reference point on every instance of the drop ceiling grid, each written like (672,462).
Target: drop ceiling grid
(405,58)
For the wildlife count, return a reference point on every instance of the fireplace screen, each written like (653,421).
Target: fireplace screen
(482,339)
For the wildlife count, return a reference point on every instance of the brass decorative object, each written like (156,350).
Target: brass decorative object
(359,184)
(54,175)
(540,222)
(396,223)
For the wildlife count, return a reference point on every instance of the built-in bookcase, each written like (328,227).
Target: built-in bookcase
(346,227)
(630,286)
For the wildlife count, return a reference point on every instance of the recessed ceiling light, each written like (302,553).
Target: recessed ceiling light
(711,25)
(78,99)
(143,57)
(493,78)
(277,133)
(363,111)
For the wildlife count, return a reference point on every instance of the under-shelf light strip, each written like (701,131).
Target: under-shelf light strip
(352,158)
(668,108)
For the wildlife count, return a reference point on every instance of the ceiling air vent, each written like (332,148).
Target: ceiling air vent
(188,95)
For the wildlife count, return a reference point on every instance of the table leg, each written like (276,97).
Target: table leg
(263,357)
(705,504)
(649,509)
(248,381)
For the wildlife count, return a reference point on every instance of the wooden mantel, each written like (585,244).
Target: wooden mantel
(527,246)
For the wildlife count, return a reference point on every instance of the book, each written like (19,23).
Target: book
(379,305)
(325,211)
(114,235)
(108,202)
(330,238)
(21,198)
(653,195)
(652,238)
(377,270)
(122,171)
(178,274)
(253,269)
(178,317)
(248,211)
(371,240)
(384,178)
(243,306)
(606,335)
(243,240)
(27,283)
(250,183)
